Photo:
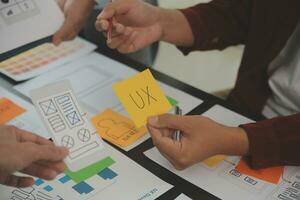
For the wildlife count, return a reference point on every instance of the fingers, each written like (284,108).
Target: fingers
(114,8)
(25,136)
(167,121)
(33,152)
(65,33)
(43,171)
(61,4)
(16,181)
(165,145)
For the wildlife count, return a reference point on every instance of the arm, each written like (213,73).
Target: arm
(274,142)
(266,144)
(217,24)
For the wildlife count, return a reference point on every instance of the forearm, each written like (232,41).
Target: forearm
(175,27)
(234,141)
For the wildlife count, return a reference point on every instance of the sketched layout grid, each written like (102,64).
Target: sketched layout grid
(18,10)
(30,193)
(69,109)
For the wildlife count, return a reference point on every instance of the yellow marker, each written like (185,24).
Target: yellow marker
(117,128)
(142,97)
(214,161)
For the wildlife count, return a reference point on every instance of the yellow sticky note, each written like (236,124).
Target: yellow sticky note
(117,128)
(214,161)
(142,97)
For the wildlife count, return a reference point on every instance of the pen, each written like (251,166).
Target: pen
(110,29)
(177,133)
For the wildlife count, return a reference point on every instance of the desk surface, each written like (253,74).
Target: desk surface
(180,185)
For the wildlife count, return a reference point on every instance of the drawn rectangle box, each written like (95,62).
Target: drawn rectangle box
(69,127)
(78,152)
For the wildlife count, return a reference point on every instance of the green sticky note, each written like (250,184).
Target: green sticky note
(172,101)
(90,171)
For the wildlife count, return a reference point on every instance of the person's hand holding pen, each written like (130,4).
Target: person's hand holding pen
(200,139)
(135,25)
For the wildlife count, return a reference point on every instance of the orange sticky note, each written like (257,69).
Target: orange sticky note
(214,161)
(9,110)
(142,97)
(271,175)
(117,128)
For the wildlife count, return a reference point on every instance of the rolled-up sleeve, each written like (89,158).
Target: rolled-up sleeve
(274,142)
(218,24)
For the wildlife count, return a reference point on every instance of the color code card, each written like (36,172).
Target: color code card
(9,110)
(43,58)
(117,128)
(69,126)
(142,97)
(271,175)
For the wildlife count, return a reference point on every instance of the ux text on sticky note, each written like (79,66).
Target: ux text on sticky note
(117,128)
(142,97)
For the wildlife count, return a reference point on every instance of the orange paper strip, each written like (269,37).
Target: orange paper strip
(271,175)
(9,110)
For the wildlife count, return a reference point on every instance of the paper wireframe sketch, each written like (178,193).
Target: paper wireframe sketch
(68,125)
(26,21)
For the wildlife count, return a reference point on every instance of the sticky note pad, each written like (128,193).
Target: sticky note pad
(9,110)
(214,161)
(142,97)
(117,128)
(271,175)
(172,101)
(90,171)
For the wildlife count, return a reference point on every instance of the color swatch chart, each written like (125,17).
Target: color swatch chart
(44,57)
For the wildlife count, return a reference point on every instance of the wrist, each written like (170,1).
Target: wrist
(235,142)
(175,28)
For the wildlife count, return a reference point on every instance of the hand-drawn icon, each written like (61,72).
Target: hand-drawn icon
(57,123)
(48,107)
(115,129)
(69,109)
(30,193)
(84,135)
(65,103)
(67,141)
(73,118)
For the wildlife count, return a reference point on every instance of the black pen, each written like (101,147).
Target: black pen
(177,133)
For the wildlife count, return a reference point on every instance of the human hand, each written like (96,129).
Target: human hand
(22,151)
(136,24)
(76,14)
(201,139)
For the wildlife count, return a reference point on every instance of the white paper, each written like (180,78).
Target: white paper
(224,181)
(183,197)
(92,78)
(25,21)
(130,181)
(28,120)
(29,193)
(68,124)
(62,54)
